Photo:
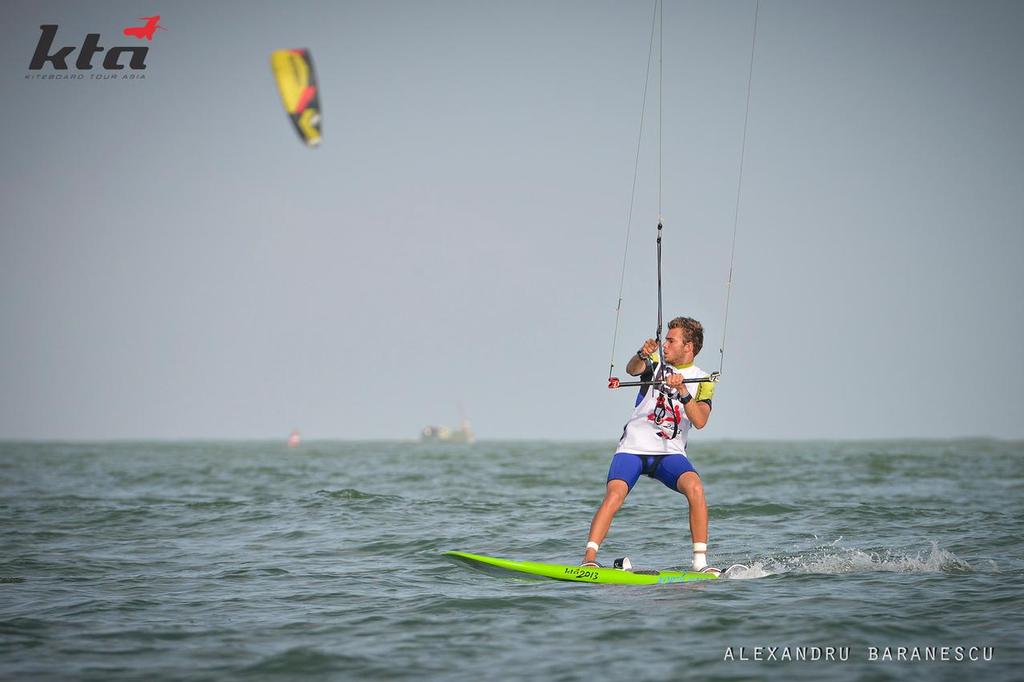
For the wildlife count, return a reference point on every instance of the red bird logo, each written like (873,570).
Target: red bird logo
(145,31)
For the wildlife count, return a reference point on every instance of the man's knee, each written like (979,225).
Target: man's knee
(689,484)
(616,491)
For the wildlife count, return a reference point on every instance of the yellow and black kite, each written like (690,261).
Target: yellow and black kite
(296,81)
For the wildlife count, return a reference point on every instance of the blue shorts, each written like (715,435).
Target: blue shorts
(666,468)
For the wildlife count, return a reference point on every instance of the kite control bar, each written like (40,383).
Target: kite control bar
(613,382)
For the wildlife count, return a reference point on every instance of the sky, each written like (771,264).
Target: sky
(175,264)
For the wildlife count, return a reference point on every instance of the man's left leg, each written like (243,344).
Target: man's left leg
(689,485)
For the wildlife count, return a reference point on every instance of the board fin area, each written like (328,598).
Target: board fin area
(508,568)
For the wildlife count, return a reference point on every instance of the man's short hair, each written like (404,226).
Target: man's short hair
(693,331)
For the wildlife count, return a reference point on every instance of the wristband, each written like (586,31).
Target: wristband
(686,398)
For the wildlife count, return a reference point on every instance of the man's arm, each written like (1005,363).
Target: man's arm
(636,365)
(697,411)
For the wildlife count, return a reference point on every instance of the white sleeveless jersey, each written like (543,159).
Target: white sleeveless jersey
(650,427)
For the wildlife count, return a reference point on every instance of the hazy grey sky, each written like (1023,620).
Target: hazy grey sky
(175,264)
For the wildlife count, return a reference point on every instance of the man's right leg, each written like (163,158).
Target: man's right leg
(614,496)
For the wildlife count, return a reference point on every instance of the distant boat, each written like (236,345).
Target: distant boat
(295,439)
(443,434)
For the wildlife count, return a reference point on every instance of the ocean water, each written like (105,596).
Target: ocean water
(250,561)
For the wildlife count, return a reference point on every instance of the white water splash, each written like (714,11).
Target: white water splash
(833,559)
(741,572)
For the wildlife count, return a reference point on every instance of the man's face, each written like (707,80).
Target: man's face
(677,351)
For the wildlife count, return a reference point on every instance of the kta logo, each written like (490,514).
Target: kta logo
(91,47)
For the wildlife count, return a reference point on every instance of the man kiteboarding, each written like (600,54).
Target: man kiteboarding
(654,439)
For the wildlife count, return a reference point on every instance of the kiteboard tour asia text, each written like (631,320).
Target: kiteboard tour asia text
(871,654)
(82,76)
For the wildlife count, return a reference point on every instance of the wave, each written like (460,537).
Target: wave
(305,661)
(353,494)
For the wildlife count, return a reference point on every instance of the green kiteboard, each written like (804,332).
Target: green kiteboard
(507,568)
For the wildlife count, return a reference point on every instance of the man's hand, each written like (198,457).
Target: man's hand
(676,381)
